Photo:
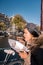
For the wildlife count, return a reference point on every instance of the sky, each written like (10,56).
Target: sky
(30,10)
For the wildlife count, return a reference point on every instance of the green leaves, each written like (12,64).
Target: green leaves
(2,26)
(18,21)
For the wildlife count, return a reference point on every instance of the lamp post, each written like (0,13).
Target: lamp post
(42,15)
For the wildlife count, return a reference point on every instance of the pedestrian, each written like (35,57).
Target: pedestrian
(31,34)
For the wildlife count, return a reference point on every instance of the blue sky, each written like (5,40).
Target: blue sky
(29,9)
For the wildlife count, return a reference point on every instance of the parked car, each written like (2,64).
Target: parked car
(6,34)
(3,34)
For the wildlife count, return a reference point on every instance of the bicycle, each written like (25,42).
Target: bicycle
(9,59)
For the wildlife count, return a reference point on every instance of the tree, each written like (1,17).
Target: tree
(2,26)
(18,21)
(38,27)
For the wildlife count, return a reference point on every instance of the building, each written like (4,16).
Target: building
(5,19)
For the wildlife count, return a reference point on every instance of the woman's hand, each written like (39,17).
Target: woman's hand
(23,54)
